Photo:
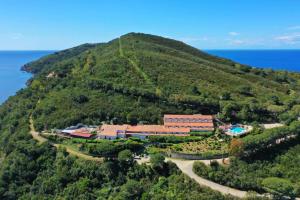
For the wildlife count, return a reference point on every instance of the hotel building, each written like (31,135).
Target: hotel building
(179,125)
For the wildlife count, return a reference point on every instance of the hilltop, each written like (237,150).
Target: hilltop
(139,77)
(133,79)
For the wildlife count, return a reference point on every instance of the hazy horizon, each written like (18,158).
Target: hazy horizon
(218,24)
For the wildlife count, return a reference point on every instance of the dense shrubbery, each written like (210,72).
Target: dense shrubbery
(94,83)
(268,138)
(39,171)
(280,173)
(111,149)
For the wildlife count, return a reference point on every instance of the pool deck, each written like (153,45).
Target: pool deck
(274,125)
(247,130)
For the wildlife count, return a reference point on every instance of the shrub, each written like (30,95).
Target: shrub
(279,187)
(201,169)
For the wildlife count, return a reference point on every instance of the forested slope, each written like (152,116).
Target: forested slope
(135,78)
(29,170)
(139,77)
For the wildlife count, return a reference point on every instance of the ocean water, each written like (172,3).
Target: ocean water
(275,59)
(11,77)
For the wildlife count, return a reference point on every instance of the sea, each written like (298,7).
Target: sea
(12,78)
(275,59)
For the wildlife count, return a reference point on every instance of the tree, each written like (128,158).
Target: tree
(106,149)
(157,161)
(125,157)
(225,96)
(195,90)
(79,190)
(229,110)
(275,100)
(236,147)
(201,169)
(279,187)
(80,99)
(132,118)
(245,90)
(131,190)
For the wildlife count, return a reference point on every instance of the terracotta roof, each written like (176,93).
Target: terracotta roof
(188,116)
(165,134)
(112,130)
(81,134)
(184,124)
(156,129)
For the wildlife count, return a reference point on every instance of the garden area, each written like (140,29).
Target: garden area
(199,143)
(207,144)
(211,144)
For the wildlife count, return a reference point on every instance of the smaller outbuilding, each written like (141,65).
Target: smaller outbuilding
(78,133)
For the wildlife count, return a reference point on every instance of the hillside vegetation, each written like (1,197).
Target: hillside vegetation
(135,78)
(30,170)
(139,77)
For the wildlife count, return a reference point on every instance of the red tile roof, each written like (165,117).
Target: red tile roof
(196,116)
(187,124)
(112,130)
(79,134)
(156,129)
(180,128)
(82,132)
(164,134)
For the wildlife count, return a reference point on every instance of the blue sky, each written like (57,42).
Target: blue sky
(205,24)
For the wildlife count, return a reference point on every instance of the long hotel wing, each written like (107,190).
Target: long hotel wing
(179,125)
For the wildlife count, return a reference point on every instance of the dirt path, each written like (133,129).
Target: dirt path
(134,64)
(77,153)
(186,166)
(36,135)
(137,68)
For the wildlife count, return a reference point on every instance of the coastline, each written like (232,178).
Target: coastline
(20,73)
(12,76)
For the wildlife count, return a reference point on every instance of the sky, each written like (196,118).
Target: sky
(205,24)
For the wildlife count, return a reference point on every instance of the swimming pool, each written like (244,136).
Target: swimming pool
(236,130)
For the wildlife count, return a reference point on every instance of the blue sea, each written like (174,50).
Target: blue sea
(11,77)
(275,59)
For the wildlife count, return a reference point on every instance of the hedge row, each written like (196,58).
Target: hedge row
(269,137)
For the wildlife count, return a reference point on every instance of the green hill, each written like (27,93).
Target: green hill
(139,77)
(134,78)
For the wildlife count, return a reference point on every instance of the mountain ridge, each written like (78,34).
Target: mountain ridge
(167,76)
(106,83)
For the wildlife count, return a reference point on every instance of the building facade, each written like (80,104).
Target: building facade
(193,122)
(178,125)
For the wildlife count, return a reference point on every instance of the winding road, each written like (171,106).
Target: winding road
(37,136)
(186,166)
